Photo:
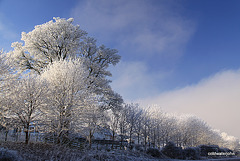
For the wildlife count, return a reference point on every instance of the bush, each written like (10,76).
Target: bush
(8,155)
(154,152)
(237,153)
(192,153)
(172,151)
(228,150)
(205,149)
(139,147)
(225,150)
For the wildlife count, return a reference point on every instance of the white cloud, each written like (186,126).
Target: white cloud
(215,100)
(136,25)
(134,80)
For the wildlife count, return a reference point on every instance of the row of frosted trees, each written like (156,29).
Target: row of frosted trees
(152,127)
(57,77)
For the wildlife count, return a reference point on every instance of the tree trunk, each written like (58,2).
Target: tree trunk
(26,137)
(59,137)
(27,134)
(130,138)
(113,138)
(90,139)
(6,135)
(121,146)
(138,137)
(145,142)
(17,132)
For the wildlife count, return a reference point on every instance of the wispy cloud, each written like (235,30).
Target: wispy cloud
(5,32)
(215,99)
(137,25)
(142,31)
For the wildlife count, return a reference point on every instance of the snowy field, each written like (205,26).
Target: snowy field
(37,151)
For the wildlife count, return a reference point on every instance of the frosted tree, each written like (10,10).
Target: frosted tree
(66,80)
(113,123)
(24,101)
(52,41)
(133,114)
(230,142)
(194,131)
(138,127)
(167,128)
(180,131)
(146,126)
(123,125)
(115,103)
(6,75)
(157,124)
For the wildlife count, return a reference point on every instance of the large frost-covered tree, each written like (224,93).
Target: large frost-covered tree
(60,39)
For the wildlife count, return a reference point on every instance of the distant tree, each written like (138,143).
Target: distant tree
(194,131)
(133,114)
(113,123)
(123,125)
(227,141)
(138,127)
(146,126)
(91,118)
(157,120)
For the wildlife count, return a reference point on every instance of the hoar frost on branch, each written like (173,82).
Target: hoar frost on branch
(49,42)
(6,70)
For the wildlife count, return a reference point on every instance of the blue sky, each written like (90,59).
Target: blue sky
(180,54)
